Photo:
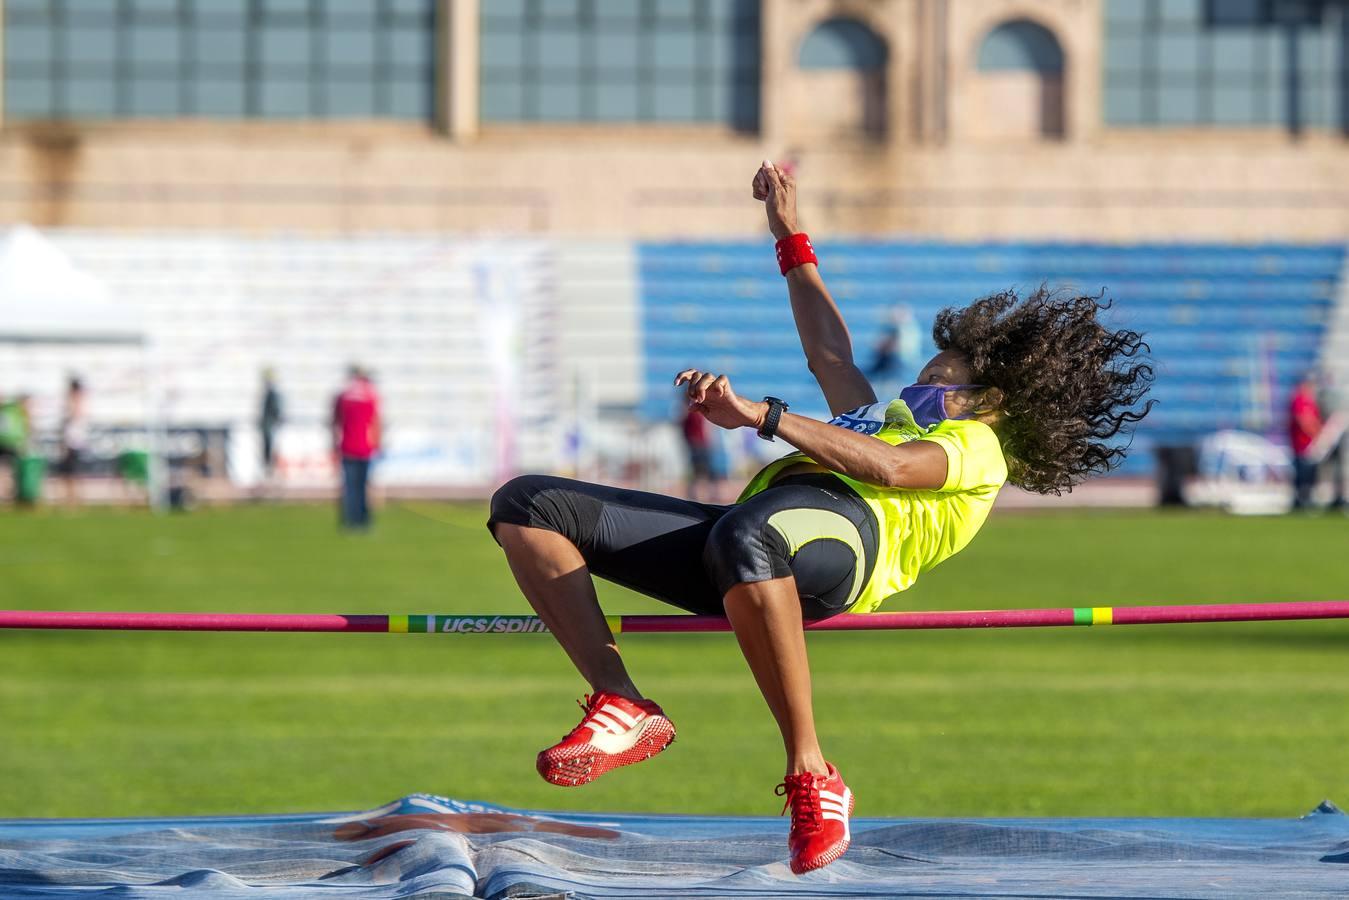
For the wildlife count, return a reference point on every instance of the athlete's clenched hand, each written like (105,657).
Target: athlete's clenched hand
(777,188)
(712,396)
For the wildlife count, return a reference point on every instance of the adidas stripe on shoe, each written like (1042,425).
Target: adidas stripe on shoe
(614,732)
(821,808)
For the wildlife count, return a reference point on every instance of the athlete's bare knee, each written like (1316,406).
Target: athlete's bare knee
(511,536)
(758,597)
(528,540)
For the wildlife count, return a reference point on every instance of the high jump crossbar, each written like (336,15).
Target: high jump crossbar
(513,624)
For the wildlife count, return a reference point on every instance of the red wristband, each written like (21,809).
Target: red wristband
(795,250)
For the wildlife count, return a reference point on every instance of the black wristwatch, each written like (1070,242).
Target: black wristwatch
(771,419)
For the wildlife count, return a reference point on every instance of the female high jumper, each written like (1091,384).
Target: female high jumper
(1030,391)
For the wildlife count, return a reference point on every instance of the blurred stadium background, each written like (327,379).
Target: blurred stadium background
(537,210)
(524,216)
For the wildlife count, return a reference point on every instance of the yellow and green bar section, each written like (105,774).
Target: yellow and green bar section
(513,624)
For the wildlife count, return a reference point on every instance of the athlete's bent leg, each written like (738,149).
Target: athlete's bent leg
(794,547)
(766,616)
(619,727)
(555,532)
(554,579)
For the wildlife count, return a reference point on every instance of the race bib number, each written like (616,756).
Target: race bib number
(863,420)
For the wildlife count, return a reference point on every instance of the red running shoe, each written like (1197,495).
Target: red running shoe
(614,731)
(821,806)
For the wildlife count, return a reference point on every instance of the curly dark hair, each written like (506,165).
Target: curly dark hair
(1068,382)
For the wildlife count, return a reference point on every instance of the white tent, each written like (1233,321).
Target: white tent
(45,298)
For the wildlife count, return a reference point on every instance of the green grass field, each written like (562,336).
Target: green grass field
(1216,720)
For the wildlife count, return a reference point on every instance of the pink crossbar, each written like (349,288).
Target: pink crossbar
(677,624)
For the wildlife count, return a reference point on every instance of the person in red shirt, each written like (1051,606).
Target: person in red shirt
(698,441)
(1304,424)
(356,439)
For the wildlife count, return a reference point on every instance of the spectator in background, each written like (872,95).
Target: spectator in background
(74,439)
(1334,407)
(14,430)
(698,440)
(356,439)
(1304,423)
(897,350)
(269,420)
(885,356)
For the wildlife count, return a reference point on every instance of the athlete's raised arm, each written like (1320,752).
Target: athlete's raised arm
(824,335)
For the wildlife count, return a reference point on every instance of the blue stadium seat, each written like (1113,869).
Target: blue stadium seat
(1228,324)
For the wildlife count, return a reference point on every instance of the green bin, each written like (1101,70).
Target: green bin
(28,474)
(134,466)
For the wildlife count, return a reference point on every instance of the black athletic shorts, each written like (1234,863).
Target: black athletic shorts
(690,554)
(71,462)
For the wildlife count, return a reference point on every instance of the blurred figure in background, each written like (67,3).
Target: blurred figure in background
(897,350)
(269,420)
(13,437)
(74,439)
(700,441)
(356,439)
(1304,423)
(1334,406)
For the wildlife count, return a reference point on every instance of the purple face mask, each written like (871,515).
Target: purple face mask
(927,402)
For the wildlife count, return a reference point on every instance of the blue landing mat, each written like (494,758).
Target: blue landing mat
(431,847)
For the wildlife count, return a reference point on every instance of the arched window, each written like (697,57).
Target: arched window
(1021,46)
(1019,84)
(841,69)
(842,43)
